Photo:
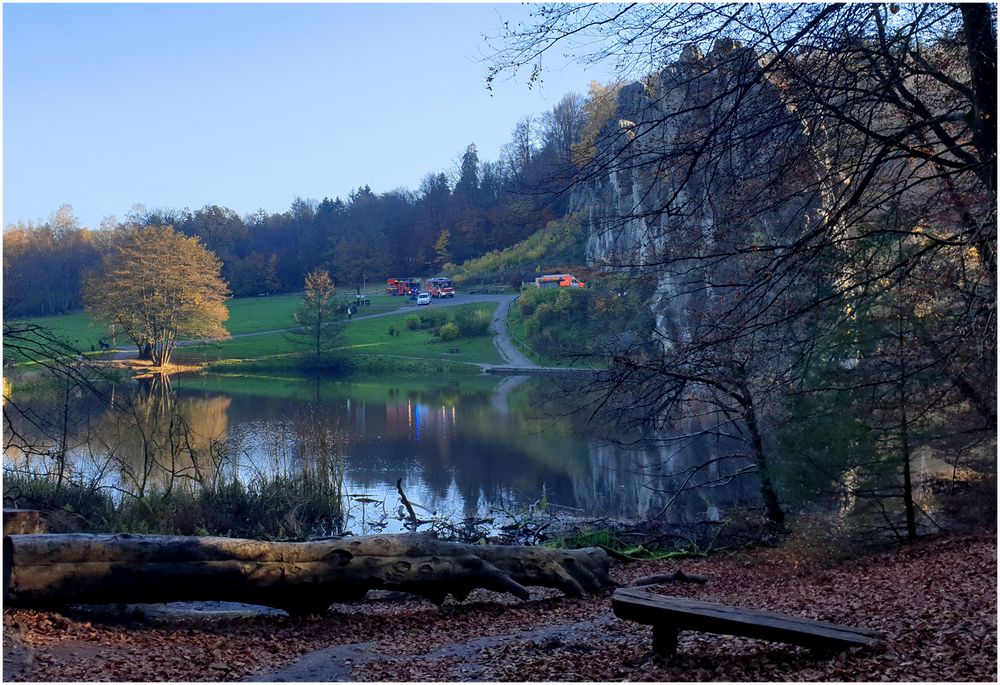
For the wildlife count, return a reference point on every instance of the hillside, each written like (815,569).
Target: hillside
(555,247)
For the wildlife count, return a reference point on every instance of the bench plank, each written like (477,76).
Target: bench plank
(667,614)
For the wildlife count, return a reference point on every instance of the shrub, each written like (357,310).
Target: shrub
(393,329)
(449,331)
(434,318)
(572,320)
(531,297)
(412,322)
(473,323)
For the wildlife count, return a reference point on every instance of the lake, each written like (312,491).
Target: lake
(469,446)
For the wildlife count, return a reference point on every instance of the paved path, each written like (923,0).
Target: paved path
(501,338)
(511,356)
(518,365)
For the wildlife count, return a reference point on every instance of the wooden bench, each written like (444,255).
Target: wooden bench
(670,615)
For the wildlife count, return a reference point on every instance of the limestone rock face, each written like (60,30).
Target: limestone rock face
(695,164)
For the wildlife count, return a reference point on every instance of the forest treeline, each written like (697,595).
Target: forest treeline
(453,216)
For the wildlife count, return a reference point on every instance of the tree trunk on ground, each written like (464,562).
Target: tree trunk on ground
(295,576)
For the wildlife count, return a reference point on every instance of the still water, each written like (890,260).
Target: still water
(465,447)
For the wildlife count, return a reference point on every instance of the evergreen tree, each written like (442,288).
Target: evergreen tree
(468,180)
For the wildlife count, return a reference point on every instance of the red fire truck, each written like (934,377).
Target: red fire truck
(441,287)
(402,286)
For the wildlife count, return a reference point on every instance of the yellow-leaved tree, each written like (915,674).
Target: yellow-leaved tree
(317,316)
(158,286)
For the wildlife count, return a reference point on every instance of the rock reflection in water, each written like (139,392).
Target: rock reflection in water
(455,448)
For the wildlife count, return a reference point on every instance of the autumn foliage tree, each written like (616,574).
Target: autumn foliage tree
(317,314)
(157,286)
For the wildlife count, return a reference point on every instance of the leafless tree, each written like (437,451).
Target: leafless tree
(766,166)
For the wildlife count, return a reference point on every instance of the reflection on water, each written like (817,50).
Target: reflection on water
(459,447)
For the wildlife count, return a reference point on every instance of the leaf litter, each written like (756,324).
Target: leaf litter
(933,601)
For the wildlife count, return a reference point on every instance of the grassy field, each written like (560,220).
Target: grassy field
(253,314)
(371,337)
(246,315)
(76,329)
(362,337)
(293,386)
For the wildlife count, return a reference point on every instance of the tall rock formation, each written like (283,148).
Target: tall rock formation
(689,176)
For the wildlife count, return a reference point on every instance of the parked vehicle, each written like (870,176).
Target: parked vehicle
(424,298)
(402,286)
(441,287)
(558,281)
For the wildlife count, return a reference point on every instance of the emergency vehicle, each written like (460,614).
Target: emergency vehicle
(441,287)
(558,281)
(402,286)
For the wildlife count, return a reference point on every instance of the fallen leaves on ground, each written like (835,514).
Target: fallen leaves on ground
(934,602)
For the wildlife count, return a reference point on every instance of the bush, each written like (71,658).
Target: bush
(573,320)
(531,297)
(473,323)
(434,318)
(449,331)
(393,329)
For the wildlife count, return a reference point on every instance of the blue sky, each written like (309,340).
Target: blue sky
(247,106)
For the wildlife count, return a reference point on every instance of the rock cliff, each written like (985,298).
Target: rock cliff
(689,175)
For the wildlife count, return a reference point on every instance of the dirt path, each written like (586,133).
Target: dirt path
(467,660)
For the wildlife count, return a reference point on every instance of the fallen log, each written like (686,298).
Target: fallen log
(299,577)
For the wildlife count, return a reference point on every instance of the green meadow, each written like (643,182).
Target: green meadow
(254,314)
(78,329)
(273,348)
(358,338)
(246,315)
